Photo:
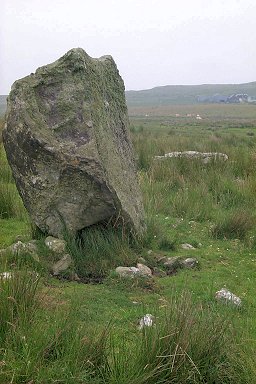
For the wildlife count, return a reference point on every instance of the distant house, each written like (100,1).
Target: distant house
(238,98)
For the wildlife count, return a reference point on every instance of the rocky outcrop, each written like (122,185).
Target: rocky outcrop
(68,145)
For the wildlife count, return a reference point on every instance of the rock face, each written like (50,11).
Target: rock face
(68,145)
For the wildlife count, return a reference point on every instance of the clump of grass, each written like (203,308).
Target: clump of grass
(166,244)
(10,202)
(18,299)
(54,348)
(36,342)
(156,236)
(98,250)
(234,225)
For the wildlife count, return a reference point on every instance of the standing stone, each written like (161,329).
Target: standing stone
(68,145)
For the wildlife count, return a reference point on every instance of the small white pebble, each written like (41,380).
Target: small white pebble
(146,321)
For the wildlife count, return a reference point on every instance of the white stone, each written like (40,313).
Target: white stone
(17,247)
(127,271)
(146,321)
(144,270)
(6,275)
(187,246)
(190,262)
(140,270)
(225,295)
(204,156)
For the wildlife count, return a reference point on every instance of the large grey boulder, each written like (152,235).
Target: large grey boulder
(68,145)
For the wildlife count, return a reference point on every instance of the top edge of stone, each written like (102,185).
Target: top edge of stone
(77,52)
(73,55)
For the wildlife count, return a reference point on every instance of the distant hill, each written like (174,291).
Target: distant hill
(186,94)
(179,94)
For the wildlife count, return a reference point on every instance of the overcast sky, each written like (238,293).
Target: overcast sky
(153,42)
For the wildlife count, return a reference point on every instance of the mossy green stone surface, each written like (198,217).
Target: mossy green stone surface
(68,145)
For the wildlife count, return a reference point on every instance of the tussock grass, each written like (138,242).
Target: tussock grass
(98,250)
(234,225)
(18,289)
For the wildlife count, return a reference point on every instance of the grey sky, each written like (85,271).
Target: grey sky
(153,42)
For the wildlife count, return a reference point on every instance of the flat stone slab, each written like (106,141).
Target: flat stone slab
(205,157)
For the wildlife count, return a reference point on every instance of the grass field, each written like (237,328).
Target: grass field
(64,332)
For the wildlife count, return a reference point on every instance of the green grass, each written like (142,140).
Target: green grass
(87,333)
(14,220)
(11,205)
(70,338)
